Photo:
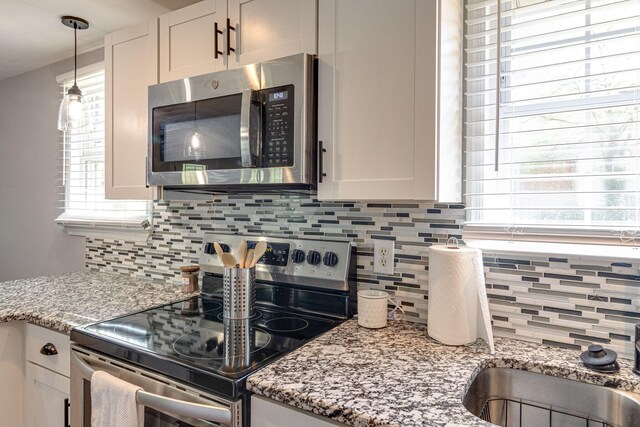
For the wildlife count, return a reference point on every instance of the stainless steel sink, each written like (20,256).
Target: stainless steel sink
(513,398)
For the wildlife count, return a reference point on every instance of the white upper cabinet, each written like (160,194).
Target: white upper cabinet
(378,101)
(215,34)
(270,29)
(131,65)
(188,40)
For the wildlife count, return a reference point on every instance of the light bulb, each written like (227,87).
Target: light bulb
(75,109)
(71,114)
(195,141)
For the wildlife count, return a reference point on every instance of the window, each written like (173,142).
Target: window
(556,150)
(83,160)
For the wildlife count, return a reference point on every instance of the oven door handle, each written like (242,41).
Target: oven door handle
(210,413)
(250,127)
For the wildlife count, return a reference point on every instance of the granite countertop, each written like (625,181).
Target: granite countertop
(398,376)
(63,301)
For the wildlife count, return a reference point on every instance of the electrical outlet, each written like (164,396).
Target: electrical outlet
(383,254)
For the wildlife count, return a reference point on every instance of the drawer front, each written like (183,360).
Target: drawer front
(37,337)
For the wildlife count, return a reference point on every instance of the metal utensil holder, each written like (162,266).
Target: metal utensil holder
(239,341)
(239,293)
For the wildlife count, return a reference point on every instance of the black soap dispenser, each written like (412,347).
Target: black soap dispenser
(636,343)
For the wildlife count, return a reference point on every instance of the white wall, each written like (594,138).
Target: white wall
(31,244)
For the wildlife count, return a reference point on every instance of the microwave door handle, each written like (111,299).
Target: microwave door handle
(216,414)
(245,130)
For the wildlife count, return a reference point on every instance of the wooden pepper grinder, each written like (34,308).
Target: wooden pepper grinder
(190,278)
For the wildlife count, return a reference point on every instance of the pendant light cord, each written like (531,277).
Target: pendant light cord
(75,53)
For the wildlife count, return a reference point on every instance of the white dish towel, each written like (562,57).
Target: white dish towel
(113,402)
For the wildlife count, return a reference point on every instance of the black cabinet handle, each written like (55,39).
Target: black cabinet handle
(229,28)
(66,412)
(215,40)
(321,151)
(49,349)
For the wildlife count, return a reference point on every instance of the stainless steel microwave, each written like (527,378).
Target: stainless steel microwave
(251,128)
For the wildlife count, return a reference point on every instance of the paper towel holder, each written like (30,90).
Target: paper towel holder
(452,241)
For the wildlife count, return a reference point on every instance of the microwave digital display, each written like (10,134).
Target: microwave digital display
(278,96)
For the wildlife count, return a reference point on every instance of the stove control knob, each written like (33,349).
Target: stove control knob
(225,248)
(314,257)
(330,259)
(208,248)
(297,256)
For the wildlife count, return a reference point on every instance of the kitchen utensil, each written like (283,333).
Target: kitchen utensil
(249,258)
(218,248)
(372,308)
(258,252)
(228,260)
(242,253)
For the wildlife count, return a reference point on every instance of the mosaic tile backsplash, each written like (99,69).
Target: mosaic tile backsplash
(570,302)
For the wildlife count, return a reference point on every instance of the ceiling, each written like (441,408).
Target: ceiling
(32,36)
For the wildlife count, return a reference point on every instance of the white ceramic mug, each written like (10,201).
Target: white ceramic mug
(372,308)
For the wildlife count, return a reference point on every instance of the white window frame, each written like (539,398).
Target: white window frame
(558,240)
(137,229)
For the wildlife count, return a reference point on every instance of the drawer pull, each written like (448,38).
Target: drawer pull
(48,349)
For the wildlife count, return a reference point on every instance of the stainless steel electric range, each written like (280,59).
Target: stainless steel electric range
(190,361)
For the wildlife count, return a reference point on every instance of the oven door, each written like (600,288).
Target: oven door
(167,404)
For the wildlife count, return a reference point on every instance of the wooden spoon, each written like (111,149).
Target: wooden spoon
(260,249)
(219,250)
(249,259)
(228,260)
(242,253)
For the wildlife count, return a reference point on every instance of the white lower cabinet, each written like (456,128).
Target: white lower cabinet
(11,372)
(46,398)
(47,366)
(269,413)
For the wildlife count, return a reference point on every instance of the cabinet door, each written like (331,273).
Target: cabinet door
(188,40)
(270,29)
(11,372)
(377,95)
(47,398)
(131,58)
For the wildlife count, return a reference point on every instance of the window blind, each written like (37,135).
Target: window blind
(552,133)
(82,194)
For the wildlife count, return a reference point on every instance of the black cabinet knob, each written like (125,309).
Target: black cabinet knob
(330,259)
(297,256)
(314,257)
(48,349)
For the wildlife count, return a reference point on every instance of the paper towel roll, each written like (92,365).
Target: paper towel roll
(458,306)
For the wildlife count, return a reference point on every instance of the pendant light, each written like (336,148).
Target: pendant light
(71,114)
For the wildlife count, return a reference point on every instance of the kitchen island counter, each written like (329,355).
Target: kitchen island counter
(398,376)
(61,302)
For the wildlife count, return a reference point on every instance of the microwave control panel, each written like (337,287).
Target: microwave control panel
(278,126)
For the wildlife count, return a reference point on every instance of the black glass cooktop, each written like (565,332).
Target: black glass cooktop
(191,341)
